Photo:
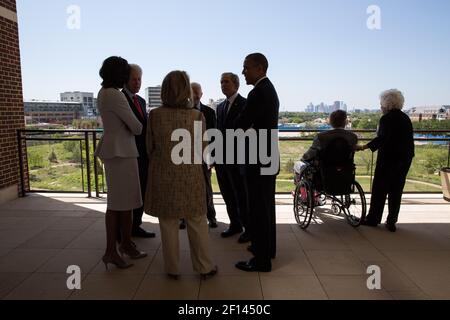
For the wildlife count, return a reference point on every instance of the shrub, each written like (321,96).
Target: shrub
(52,157)
(35,160)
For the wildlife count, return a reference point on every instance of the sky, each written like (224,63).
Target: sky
(318,50)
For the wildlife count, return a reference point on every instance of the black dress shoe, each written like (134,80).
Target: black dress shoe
(368,223)
(182,224)
(250,266)
(391,227)
(212,223)
(244,238)
(141,233)
(230,232)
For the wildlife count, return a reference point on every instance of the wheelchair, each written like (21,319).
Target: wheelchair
(329,182)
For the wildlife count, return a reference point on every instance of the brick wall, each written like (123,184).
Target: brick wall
(8,4)
(11,99)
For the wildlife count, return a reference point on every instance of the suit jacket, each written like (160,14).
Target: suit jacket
(322,140)
(210,116)
(261,112)
(184,183)
(140,138)
(395,138)
(120,126)
(228,121)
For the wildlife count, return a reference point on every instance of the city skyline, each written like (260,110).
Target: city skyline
(317,50)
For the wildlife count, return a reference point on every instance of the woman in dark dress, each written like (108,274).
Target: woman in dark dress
(395,145)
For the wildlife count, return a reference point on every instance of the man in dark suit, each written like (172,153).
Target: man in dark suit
(261,115)
(338,121)
(138,105)
(210,118)
(232,183)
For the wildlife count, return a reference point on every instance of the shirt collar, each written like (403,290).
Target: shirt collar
(232,98)
(257,82)
(128,92)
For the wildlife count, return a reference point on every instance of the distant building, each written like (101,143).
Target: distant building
(429,113)
(153,97)
(52,112)
(214,103)
(324,108)
(85,98)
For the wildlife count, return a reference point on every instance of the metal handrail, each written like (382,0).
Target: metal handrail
(90,135)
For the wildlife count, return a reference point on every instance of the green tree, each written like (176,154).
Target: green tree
(435,161)
(70,146)
(52,157)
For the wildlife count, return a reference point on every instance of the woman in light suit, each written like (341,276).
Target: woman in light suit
(177,189)
(117,150)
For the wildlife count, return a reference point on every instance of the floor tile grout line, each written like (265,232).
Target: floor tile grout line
(145,273)
(30,274)
(392,262)
(312,267)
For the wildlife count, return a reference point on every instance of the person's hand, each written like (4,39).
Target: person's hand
(360,148)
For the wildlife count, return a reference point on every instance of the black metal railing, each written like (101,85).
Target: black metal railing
(88,139)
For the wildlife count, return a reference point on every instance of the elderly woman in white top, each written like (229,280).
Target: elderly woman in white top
(395,145)
(117,150)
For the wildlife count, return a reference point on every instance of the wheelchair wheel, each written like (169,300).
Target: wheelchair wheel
(335,209)
(355,206)
(303,204)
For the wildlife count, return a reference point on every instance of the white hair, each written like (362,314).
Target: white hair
(392,99)
(135,67)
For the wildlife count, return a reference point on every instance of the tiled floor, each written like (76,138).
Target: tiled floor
(41,235)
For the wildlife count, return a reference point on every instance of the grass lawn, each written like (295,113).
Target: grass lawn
(64,173)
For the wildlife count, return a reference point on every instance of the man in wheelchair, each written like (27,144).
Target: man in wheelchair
(331,156)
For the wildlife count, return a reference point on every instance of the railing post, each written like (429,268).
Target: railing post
(94,145)
(22,179)
(82,165)
(371,172)
(448,157)
(88,163)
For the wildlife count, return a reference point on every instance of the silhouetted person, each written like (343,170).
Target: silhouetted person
(138,106)
(338,121)
(261,113)
(210,120)
(117,149)
(395,145)
(232,183)
(176,189)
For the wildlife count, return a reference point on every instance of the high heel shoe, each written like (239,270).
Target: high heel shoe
(210,274)
(118,263)
(133,253)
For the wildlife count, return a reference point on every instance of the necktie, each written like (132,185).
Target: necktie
(226,108)
(137,105)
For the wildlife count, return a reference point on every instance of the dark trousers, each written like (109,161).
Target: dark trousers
(143,172)
(389,180)
(211,213)
(261,191)
(233,187)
